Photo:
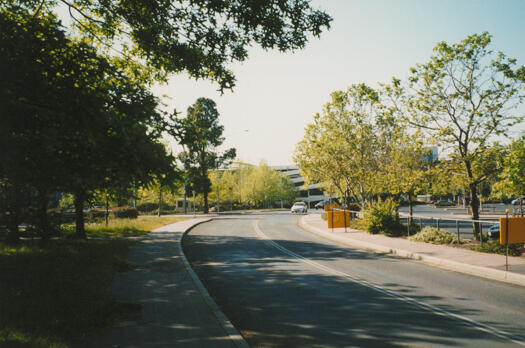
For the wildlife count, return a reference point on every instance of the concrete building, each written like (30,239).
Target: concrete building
(311,194)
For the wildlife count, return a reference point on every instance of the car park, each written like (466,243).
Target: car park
(299,207)
(443,203)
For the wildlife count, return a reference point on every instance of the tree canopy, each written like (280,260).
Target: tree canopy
(71,120)
(200,134)
(201,37)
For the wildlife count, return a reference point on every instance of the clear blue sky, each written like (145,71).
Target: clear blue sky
(370,41)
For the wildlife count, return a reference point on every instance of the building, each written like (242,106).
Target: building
(311,194)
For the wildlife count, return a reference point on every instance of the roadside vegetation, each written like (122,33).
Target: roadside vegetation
(54,292)
(374,146)
(435,235)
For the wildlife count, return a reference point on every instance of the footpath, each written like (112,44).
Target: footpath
(491,266)
(177,311)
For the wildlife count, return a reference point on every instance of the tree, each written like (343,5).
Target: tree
(345,145)
(198,36)
(462,98)
(200,134)
(512,177)
(96,128)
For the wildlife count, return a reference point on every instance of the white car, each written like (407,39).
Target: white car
(299,207)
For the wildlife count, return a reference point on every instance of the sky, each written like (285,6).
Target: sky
(277,94)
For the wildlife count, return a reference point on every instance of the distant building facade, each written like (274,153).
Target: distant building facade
(311,194)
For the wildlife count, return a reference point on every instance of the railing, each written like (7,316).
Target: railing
(462,228)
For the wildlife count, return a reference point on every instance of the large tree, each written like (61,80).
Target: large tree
(343,147)
(71,120)
(198,36)
(464,97)
(200,134)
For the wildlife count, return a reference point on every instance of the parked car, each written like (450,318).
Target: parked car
(320,205)
(517,201)
(443,203)
(299,207)
(493,232)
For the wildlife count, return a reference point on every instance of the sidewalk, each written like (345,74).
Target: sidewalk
(485,265)
(177,311)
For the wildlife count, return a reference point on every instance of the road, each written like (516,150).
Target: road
(284,287)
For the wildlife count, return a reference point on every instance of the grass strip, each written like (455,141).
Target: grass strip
(54,293)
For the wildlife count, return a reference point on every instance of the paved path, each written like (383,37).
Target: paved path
(486,265)
(174,310)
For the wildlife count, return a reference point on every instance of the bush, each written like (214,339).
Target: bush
(381,217)
(495,247)
(354,207)
(124,213)
(435,236)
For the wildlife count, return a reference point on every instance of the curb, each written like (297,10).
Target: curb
(479,271)
(226,324)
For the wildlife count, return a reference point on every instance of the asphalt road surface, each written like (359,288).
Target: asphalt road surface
(284,287)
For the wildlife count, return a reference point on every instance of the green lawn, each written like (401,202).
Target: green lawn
(54,293)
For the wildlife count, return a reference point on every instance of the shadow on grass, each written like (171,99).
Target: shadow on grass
(52,293)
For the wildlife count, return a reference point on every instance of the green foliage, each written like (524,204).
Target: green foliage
(124,213)
(97,128)
(434,235)
(202,38)
(462,98)
(381,217)
(512,178)
(343,147)
(200,134)
(495,247)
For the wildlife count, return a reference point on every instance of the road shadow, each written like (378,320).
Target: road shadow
(275,300)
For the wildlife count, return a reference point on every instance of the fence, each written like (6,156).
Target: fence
(462,228)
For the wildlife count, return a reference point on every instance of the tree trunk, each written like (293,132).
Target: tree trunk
(107,210)
(160,202)
(44,229)
(79,216)
(13,214)
(474,205)
(410,209)
(206,208)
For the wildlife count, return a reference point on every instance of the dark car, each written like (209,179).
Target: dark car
(493,232)
(320,205)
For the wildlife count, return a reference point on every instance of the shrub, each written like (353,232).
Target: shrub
(354,207)
(495,247)
(124,213)
(435,236)
(381,217)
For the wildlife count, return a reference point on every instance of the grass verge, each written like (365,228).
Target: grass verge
(54,293)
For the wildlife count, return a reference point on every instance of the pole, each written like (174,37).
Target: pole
(332,210)
(344,217)
(193,203)
(457,229)
(506,240)
(185,206)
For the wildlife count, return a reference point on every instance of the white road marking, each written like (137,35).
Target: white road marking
(467,321)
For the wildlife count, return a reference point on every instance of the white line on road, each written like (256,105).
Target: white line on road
(467,321)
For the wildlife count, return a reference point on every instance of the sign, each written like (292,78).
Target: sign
(516,230)
(338,218)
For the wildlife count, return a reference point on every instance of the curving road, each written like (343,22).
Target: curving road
(282,286)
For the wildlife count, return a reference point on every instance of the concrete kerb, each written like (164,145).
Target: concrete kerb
(232,332)
(484,272)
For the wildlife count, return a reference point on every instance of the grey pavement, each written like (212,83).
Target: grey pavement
(176,308)
(491,266)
